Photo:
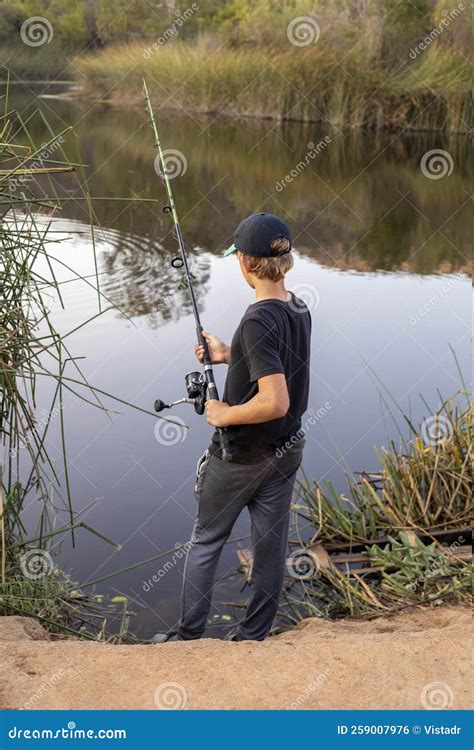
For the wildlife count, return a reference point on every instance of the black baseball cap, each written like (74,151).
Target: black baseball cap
(255,234)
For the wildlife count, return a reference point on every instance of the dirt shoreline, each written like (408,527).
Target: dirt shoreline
(419,659)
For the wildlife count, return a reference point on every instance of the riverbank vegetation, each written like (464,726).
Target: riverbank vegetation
(378,64)
(36,508)
(400,537)
(397,540)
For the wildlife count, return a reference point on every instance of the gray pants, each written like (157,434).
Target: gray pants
(223,490)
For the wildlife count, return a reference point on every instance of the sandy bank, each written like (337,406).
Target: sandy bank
(414,660)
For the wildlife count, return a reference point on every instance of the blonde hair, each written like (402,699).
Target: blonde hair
(274,268)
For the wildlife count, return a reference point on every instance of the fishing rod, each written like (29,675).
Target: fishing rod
(199,386)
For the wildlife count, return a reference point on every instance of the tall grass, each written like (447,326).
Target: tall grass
(345,63)
(308,84)
(31,348)
(47,62)
(400,536)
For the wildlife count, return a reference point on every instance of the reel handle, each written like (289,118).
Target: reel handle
(160,405)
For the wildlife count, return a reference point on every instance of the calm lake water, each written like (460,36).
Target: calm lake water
(378,249)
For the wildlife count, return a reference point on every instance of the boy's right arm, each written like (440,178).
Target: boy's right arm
(218,350)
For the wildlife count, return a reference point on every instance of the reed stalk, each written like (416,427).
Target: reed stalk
(400,536)
(31,348)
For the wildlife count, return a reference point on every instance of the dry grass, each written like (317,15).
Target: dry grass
(306,84)
(400,537)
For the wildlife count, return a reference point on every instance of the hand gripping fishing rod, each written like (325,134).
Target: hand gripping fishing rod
(199,386)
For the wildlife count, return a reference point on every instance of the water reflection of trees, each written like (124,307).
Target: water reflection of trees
(363,202)
(138,277)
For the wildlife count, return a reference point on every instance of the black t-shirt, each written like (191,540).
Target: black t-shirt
(272,337)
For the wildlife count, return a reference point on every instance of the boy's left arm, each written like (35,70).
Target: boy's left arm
(271,402)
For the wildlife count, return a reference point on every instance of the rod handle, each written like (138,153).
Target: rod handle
(226,453)
(202,342)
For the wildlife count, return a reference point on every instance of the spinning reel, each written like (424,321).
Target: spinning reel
(196,389)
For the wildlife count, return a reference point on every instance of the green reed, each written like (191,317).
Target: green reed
(32,349)
(400,536)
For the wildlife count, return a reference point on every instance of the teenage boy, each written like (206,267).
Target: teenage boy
(265,396)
